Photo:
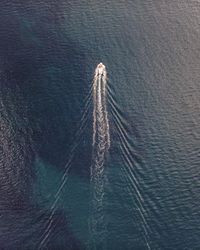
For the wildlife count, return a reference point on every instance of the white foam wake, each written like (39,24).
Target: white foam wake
(101,144)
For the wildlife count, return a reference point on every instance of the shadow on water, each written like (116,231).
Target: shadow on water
(42,92)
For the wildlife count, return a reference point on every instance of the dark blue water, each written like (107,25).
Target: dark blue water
(48,54)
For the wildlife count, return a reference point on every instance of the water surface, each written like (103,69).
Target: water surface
(49,51)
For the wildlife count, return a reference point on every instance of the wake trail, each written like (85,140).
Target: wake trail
(101,145)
